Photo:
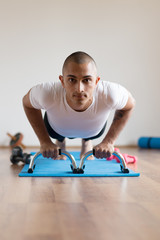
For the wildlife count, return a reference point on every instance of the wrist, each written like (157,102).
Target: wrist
(108,141)
(45,141)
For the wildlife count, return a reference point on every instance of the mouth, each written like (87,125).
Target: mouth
(79,96)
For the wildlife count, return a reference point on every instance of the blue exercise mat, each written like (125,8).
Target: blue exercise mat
(47,167)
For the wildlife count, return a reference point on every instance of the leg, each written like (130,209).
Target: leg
(87,143)
(86,146)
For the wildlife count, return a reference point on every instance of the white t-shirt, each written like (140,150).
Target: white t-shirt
(67,122)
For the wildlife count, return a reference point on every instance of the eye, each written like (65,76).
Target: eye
(71,80)
(87,80)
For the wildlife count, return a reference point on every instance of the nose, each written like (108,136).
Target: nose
(80,87)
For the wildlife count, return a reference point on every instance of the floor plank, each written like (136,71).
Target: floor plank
(81,208)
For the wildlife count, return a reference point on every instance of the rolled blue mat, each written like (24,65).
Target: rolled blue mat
(149,142)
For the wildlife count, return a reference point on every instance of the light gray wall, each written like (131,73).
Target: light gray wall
(123,37)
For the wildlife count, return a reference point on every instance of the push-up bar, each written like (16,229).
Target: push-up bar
(70,156)
(123,166)
(80,169)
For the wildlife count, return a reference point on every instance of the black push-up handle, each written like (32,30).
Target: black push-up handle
(93,152)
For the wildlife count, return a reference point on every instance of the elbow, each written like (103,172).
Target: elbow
(133,103)
(130,104)
(24,101)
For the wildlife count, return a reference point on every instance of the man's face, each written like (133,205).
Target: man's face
(79,81)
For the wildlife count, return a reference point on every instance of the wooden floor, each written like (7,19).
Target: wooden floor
(81,208)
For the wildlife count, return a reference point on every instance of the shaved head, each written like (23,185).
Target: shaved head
(79,58)
(79,80)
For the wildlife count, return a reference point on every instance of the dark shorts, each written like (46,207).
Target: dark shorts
(60,138)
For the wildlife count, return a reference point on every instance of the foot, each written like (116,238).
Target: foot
(62,146)
(86,147)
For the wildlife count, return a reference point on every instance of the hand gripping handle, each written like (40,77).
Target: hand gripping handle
(123,166)
(61,152)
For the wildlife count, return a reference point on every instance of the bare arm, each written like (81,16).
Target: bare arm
(48,149)
(121,117)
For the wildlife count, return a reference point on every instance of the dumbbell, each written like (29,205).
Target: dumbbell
(18,156)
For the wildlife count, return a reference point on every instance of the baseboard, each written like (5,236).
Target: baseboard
(70,147)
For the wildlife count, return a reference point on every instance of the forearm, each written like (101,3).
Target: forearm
(121,117)
(35,118)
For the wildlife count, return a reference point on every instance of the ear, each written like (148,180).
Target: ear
(61,79)
(97,80)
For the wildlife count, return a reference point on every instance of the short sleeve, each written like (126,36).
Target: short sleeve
(42,96)
(116,95)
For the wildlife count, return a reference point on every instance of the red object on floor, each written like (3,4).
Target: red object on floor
(127,158)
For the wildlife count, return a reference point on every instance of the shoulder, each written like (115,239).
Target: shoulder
(105,89)
(114,94)
(47,89)
(45,94)
(47,86)
(107,86)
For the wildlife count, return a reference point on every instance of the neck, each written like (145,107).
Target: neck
(79,107)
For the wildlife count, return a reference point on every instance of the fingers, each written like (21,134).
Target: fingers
(52,152)
(103,152)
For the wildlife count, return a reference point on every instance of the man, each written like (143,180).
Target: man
(77,107)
